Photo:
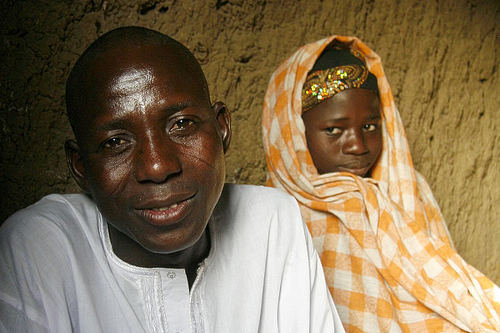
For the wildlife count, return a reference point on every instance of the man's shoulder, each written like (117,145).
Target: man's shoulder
(250,207)
(54,211)
(263,195)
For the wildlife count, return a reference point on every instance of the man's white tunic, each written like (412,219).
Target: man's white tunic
(59,273)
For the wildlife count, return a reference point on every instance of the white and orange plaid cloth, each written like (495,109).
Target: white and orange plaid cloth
(388,258)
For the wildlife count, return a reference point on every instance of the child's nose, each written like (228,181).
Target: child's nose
(355,143)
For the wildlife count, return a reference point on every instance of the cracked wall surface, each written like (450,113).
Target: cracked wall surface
(441,58)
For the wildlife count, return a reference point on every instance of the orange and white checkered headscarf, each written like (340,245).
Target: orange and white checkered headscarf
(388,258)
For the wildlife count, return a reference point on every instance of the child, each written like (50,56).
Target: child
(334,140)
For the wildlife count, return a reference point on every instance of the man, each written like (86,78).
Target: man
(158,243)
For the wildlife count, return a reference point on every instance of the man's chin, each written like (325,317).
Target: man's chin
(171,245)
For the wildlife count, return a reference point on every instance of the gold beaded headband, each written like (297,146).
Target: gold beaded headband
(323,84)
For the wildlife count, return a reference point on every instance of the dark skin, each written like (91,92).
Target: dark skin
(344,133)
(150,152)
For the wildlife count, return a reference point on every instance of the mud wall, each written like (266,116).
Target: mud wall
(441,58)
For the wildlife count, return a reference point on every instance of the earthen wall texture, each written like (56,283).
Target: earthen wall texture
(441,58)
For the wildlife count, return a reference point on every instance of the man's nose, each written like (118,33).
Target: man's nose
(355,143)
(157,160)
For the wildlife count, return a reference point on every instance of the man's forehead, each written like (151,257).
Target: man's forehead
(129,68)
(138,83)
(130,79)
(130,57)
(132,65)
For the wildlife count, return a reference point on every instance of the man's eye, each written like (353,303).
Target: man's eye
(113,143)
(182,124)
(333,130)
(369,127)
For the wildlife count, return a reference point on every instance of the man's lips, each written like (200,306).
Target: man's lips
(166,212)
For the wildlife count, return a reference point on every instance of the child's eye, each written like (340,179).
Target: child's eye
(333,130)
(369,127)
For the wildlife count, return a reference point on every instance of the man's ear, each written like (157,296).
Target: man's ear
(75,164)
(224,121)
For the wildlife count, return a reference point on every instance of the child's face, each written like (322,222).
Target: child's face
(344,133)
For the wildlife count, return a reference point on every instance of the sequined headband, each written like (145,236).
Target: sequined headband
(323,84)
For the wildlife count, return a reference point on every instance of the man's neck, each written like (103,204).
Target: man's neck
(189,259)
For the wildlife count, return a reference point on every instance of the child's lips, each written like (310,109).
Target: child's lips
(358,171)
